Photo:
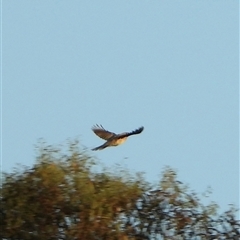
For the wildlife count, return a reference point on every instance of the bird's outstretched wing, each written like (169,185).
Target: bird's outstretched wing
(101,132)
(127,134)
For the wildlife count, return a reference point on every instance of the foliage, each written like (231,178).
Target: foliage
(170,212)
(61,197)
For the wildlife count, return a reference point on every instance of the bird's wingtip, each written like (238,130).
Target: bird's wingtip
(97,126)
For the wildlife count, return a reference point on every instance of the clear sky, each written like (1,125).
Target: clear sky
(171,66)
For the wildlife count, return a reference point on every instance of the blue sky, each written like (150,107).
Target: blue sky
(171,66)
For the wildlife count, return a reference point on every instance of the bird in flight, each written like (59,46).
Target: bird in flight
(112,139)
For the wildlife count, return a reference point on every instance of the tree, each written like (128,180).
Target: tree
(62,197)
(170,212)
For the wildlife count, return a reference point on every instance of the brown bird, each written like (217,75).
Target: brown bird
(112,139)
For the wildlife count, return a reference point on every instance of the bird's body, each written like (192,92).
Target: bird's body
(111,138)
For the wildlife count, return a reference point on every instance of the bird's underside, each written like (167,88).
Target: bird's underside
(112,139)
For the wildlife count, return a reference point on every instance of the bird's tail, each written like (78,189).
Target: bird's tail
(100,147)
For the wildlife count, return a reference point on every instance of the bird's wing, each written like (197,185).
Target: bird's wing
(127,134)
(102,133)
